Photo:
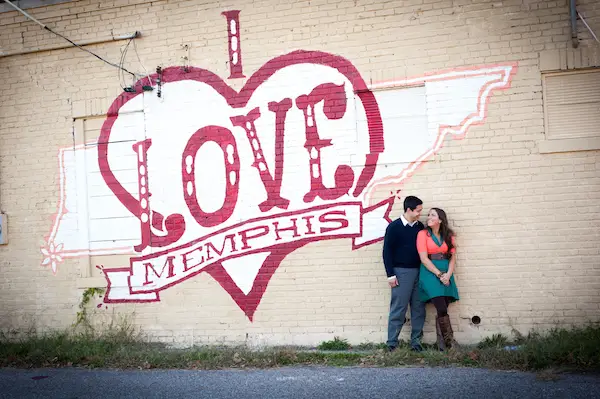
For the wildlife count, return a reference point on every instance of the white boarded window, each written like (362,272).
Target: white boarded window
(572,111)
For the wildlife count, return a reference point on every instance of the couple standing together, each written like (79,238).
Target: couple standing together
(420,261)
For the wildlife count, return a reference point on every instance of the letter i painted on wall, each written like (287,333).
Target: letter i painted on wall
(235,51)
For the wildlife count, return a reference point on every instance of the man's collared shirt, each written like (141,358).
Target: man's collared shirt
(405,222)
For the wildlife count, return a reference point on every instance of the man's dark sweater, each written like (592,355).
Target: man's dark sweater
(400,246)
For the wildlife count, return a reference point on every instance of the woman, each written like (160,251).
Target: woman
(437,250)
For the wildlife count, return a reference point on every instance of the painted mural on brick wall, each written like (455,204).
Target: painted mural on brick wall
(196,177)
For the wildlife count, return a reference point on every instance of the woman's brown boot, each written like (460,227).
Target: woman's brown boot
(440,338)
(447,333)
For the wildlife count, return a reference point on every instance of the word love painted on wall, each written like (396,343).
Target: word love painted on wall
(208,179)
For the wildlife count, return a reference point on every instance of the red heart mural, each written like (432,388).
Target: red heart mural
(173,226)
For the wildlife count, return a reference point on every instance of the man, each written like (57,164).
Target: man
(402,265)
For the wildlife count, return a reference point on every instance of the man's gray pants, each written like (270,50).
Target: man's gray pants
(405,293)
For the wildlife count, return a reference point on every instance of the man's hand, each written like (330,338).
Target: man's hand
(392,281)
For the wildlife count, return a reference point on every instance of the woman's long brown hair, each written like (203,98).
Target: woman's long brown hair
(446,233)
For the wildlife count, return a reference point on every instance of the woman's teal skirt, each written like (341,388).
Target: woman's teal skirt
(430,286)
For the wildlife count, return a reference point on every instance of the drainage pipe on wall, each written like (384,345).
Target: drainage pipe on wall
(573,13)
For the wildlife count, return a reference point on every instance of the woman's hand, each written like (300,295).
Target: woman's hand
(445,279)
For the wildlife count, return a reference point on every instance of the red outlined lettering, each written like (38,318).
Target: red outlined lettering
(226,141)
(334,107)
(234,45)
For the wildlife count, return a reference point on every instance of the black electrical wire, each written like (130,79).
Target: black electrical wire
(69,40)
(120,75)
(92,53)
(120,67)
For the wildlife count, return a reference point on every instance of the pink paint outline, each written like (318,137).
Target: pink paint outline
(507,71)
(386,216)
(61,211)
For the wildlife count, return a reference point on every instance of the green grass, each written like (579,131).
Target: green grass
(576,349)
(337,344)
(370,346)
(495,341)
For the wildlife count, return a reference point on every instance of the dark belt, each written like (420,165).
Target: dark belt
(439,256)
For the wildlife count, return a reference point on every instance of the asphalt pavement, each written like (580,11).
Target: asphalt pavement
(294,382)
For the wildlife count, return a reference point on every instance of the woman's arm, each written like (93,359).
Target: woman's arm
(451,265)
(452,259)
(445,279)
(429,264)
(422,249)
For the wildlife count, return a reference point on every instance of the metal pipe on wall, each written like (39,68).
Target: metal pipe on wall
(63,46)
(573,12)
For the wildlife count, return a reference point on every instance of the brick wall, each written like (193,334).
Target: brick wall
(526,221)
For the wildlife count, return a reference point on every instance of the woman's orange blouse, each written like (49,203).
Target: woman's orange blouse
(425,243)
